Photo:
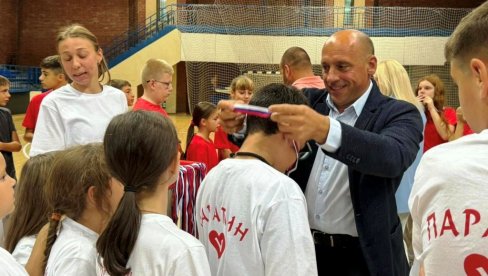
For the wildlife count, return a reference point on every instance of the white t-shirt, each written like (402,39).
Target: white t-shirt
(163,249)
(8,265)
(23,249)
(449,207)
(69,117)
(1,233)
(74,251)
(252,220)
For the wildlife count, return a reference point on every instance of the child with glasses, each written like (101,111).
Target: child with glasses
(156,78)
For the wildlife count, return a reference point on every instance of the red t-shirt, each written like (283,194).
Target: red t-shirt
(201,150)
(32,111)
(431,137)
(467,130)
(142,104)
(221,141)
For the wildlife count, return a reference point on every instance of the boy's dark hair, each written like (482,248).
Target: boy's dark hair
(53,63)
(119,84)
(270,94)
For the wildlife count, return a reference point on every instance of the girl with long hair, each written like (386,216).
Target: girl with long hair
(141,149)
(29,216)
(82,196)
(441,119)
(199,146)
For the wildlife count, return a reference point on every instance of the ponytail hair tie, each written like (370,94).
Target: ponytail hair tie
(55,216)
(130,189)
(192,123)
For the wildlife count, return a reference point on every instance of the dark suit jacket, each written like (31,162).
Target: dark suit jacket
(377,150)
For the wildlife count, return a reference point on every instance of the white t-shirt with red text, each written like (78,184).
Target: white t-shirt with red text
(252,220)
(449,207)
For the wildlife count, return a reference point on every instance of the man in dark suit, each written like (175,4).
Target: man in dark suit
(363,142)
(366,141)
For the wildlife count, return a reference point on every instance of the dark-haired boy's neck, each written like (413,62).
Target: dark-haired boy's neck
(269,147)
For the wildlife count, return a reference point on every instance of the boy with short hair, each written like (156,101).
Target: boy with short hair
(156,79)
(125,87)
(251,217)
(449,199)
(52,77)
(9,141)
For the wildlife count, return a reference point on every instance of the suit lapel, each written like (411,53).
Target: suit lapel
(322,108)
(320,105)
(370,107)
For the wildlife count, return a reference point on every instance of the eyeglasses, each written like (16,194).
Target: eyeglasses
(168,84)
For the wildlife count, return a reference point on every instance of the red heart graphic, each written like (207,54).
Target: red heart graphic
(474,262)
(218,241)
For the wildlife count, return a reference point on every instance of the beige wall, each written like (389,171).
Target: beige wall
(242,48)
(170,2)
(150,7)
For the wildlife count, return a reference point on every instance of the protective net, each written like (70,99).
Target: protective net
(222,41)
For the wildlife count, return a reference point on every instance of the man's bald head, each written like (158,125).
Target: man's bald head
(295,64)
(296,57)
(353,38)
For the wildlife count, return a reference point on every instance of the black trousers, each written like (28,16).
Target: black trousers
(340,261)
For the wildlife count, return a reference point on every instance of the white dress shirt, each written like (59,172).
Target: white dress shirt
(327,193)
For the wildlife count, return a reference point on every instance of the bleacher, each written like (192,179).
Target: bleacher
(23,80)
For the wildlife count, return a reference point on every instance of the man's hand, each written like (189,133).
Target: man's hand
(229,120)
(300,122)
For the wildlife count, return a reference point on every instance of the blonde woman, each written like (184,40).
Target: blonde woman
(393,81)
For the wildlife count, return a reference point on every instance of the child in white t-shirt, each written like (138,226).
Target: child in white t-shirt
(251,217)
(8,265)
(79,112)
(32,212)
(141,149)
(82,197)
(449,199)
